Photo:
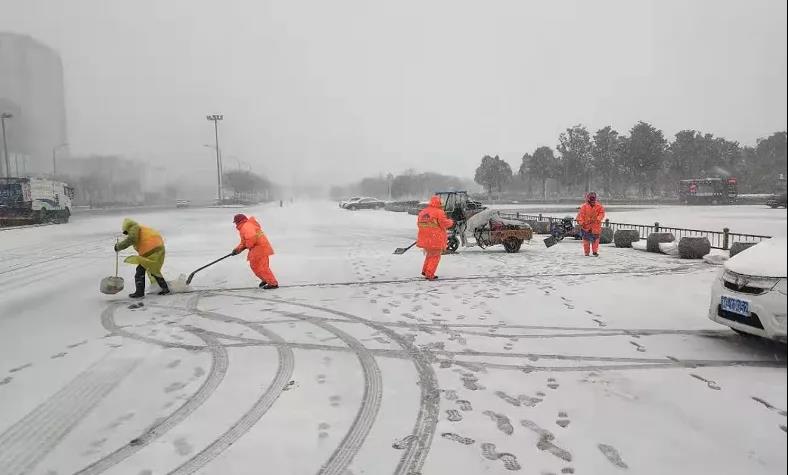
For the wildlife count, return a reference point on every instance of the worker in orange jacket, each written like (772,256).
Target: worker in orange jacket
(432,223)
(260,250)
(590,218)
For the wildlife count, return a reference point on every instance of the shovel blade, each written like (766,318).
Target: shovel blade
(551,241)
(111,285)
(401,250)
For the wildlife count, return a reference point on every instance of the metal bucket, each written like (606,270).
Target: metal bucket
(111,285)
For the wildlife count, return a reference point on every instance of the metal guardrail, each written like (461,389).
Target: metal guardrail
(718,239)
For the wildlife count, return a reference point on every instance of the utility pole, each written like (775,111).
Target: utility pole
(3,117)
(54,158)
(216,118)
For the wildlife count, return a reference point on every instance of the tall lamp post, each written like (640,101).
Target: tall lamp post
(3,117)
(54,157)
(216,118)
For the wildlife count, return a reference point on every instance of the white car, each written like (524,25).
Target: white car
(344,203)
(749,296)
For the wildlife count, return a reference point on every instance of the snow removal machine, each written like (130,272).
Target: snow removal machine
(486,225)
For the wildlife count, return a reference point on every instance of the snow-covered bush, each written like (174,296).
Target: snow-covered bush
(625,237)
(606,237)
(694,247)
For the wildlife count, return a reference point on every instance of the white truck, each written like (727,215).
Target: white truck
(31,200)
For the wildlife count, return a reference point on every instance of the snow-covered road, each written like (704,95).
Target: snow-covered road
(538,362)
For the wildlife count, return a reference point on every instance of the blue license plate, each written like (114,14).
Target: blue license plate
(739,307)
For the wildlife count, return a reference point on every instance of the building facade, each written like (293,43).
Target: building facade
(31,89)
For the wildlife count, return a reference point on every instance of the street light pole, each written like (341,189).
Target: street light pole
(3,117)
(54,158)
(216,118)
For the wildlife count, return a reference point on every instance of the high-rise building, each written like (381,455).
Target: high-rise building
(31,89)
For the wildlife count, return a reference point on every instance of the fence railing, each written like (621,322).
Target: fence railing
(718,239)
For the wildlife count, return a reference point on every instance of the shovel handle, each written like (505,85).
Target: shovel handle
(191,276)
(117,257)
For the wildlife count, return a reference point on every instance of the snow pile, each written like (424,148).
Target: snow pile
(179,285)
(639,245)
(669,248)
(715,259)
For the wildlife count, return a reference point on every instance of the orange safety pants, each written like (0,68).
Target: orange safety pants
(432,258)
(591,246)
(259,262)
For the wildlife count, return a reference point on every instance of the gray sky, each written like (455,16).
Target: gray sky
(340,89)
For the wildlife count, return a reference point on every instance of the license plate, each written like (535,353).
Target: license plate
(739,307)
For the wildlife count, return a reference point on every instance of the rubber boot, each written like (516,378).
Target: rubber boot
(165,289)
(139,282)
(262,284)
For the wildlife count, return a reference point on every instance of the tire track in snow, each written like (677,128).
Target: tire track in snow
(29,440)
(109,324)
(423,432)
(477,277)
(283,374)
(219,364)
(370,401)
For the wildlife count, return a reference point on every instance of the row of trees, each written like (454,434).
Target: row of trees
(407,185)
(642,161)
(247,185)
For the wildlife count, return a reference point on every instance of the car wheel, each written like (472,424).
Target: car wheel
(512,245)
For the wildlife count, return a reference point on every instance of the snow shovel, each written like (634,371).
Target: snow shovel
(191,276)
(112,284)
(402,250)
(551,241)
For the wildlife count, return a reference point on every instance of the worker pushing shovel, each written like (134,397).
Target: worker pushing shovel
(432,223)
(260,250)
(150,249)
(590,218)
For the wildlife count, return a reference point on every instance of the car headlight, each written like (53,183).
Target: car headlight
(781,286)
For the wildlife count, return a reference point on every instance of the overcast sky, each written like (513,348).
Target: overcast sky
(343,89)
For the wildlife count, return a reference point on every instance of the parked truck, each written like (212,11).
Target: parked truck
(31,200)
(721,191)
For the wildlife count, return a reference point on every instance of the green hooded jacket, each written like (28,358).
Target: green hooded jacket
(152,260)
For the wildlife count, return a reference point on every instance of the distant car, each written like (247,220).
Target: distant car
(344,203)
(182,203)
(777,201)
(366,203)
(750,294)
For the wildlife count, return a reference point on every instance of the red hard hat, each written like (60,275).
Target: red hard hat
(239,218)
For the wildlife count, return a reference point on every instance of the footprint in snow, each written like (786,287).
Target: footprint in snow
(20,368)
(612,455)
(563,419)
(404,443)
(450,394)
(458,438)
(501,421)
(453,415)
(711,384)
(509,399)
